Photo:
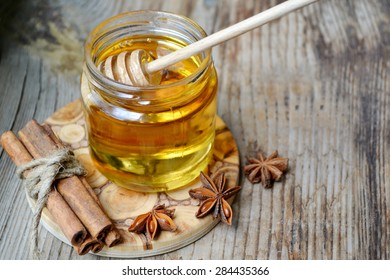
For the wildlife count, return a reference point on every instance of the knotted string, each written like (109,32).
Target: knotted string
(40,180)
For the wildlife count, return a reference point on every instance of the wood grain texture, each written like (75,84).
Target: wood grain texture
(315,85)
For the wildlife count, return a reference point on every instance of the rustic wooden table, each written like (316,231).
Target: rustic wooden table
(314,85)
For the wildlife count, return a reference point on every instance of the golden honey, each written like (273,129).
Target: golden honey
(154,138)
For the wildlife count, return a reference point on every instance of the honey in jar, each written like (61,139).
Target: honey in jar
(156,137)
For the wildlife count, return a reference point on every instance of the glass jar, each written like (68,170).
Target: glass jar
(153,138)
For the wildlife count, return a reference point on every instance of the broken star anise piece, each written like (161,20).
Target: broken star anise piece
(213,196)
(150,222)
(266,170)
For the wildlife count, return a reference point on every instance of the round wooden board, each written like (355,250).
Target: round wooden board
(123,205)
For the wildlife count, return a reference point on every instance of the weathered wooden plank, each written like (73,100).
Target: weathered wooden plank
(23,89)
(314,85)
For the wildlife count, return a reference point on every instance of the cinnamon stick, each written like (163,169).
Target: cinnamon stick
(68,222)
(89,244)
(113,237)
(97,247)
(40,144)
(65,218)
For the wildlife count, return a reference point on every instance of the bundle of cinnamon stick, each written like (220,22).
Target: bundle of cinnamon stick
(72,203)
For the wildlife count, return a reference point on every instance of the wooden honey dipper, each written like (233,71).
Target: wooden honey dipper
(138,68)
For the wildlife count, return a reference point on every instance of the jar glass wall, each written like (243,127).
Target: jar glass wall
(153,138)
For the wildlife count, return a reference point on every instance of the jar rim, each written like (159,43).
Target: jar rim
(151,17)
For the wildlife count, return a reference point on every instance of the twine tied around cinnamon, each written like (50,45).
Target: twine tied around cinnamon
(43,172)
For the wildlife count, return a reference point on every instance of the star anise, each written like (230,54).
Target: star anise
(266,170)
(150,222)
(213,196)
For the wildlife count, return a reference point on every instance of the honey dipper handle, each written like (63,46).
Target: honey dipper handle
(226,34)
